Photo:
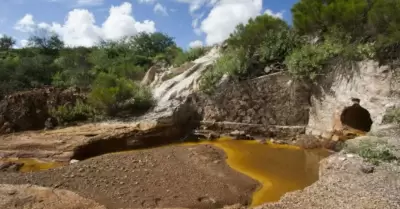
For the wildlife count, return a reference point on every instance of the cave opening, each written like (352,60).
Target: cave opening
(356,117)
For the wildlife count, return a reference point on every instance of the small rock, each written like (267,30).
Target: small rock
(121,183)
(212,136)
(136,183)
(216,161)
(262,141)
(249,137)
(268,70)
(73,161)
(237,133)
(12,192)
(367,169)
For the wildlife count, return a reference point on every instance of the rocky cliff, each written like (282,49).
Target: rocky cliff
(377,87)
(30,109)
(259,105)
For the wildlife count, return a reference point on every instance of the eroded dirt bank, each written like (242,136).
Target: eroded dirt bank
(171,176)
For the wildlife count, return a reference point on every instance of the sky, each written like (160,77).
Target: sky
(85,22)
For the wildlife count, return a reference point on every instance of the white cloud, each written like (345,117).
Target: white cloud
(23,43)
(80,28)
(160,9)
(195,22)
(224,17)
(195,5)
(25,24)
(273,14)
(197,31)
(146,1)
(80,3)
(195,44)
(89,2)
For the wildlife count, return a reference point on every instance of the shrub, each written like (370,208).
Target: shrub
(308,62)
(277,45)
(234,63)
(72,113)
(112,94)
(392,116)
(195,53)
(374,151)
(190,55)
(249,36)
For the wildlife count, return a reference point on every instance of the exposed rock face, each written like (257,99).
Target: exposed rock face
(258,105)
(84,141)
(378,88)
(29,110)
(35,197)
(150,75)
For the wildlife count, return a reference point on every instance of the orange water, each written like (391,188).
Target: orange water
(279,168)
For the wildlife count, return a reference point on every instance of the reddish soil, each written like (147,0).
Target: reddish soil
(171,176)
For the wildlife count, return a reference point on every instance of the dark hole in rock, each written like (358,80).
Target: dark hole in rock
(357,117)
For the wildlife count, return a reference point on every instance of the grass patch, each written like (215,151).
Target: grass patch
(374,152)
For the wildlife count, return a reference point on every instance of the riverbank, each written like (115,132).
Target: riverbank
(190,175)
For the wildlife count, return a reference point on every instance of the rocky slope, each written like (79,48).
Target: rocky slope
(29,110)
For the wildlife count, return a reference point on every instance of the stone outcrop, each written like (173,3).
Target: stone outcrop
(85,141)
(29,110)
(35,197)
(378,88)
(261,105)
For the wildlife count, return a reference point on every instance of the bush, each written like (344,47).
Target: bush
(72,113)
(195,53)
(249,36)
(234,63)
(112,94)
(373,151)
(308,62)
(277,45)
(192,54)
(392,116)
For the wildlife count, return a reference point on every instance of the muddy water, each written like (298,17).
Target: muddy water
(31,165)
(279,168)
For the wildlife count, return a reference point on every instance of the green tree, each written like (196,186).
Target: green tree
(47,42)
(6,43)
(151,44)
(250,36)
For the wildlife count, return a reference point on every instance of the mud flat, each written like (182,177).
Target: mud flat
(191,175)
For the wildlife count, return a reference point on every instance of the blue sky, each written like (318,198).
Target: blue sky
(191,22)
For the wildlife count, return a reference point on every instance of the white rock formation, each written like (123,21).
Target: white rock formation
(171,93)
(378,88)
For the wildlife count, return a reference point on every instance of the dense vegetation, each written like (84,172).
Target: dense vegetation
(109,71)
(322,30)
